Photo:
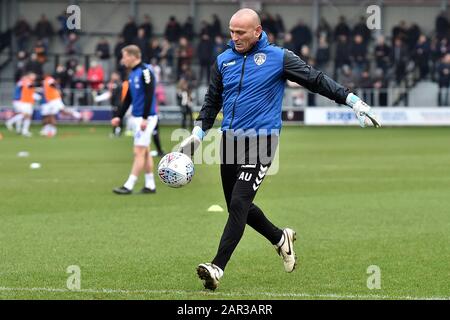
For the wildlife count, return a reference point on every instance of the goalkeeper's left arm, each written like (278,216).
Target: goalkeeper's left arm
(297,70)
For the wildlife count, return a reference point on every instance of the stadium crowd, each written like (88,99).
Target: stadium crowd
(183,55)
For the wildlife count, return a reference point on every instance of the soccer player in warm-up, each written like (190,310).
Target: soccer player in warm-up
(141,95)
(247,82)
(52,104)
(24,95)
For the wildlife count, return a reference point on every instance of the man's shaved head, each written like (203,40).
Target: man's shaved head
(248,16)
(245,29)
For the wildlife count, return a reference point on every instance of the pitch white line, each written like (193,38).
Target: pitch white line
(225,294)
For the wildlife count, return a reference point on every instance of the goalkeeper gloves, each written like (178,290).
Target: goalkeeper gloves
(363,112)
(191,143)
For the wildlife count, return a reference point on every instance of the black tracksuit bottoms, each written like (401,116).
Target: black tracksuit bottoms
(241,179)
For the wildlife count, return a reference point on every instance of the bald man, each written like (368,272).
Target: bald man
(247,82)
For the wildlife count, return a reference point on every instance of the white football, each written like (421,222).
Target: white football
(176,169)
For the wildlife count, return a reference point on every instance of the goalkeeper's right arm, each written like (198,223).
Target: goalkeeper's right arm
(191,143)
(208,113)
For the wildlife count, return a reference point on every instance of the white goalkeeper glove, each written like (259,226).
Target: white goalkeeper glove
(191,143)
(363,112)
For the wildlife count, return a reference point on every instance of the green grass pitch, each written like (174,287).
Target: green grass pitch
(356,197)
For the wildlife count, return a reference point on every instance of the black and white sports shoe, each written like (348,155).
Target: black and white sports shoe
(122,190)
(210,274)
(146,190)
(286,250)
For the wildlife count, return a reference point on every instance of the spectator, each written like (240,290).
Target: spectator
(102,50)
(442,26)
(269,24)
(184,97)
(44,31)
(185,87)
(62,77)
(188,29)
(382,54)
(279,25)
(380,83)
(412,36)
(288,42)
(361,29)
(365,83)
(63,31)
(444,80)
(184,54)
(399,59)
(216,26)
(41,52)
(324,30)
(73,46)
(443,48)
(205,56)
(347,78)
(71,66)
(129,31)
(148,27)
(154,51)
(167,60)
(219,46)
(301,35)
(35,66)
(359,55)
(422,55)
(120,44)
(160,92)
(205,28)
(79,95)
(22,32)
(399,31)
(103,54)
(342,55)
(143,44)
(323,53)
(95,76)
(341,29)
(173,30)
(21,65)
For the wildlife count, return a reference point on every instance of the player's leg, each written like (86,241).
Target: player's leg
(150,186)
(139,151)
(16,119)
(136,169)
(258,221)
(157,141)
(27,110)
(211,273)
(282,239)
(240,201)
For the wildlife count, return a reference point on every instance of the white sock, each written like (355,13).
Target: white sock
(150,181)
(280,243)
(26,126)
(130,182)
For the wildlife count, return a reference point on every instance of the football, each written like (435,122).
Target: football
(176,169)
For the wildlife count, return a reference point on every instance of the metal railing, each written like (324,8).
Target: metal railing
(294,97)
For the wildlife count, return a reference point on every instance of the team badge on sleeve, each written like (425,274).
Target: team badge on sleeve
(260,58)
